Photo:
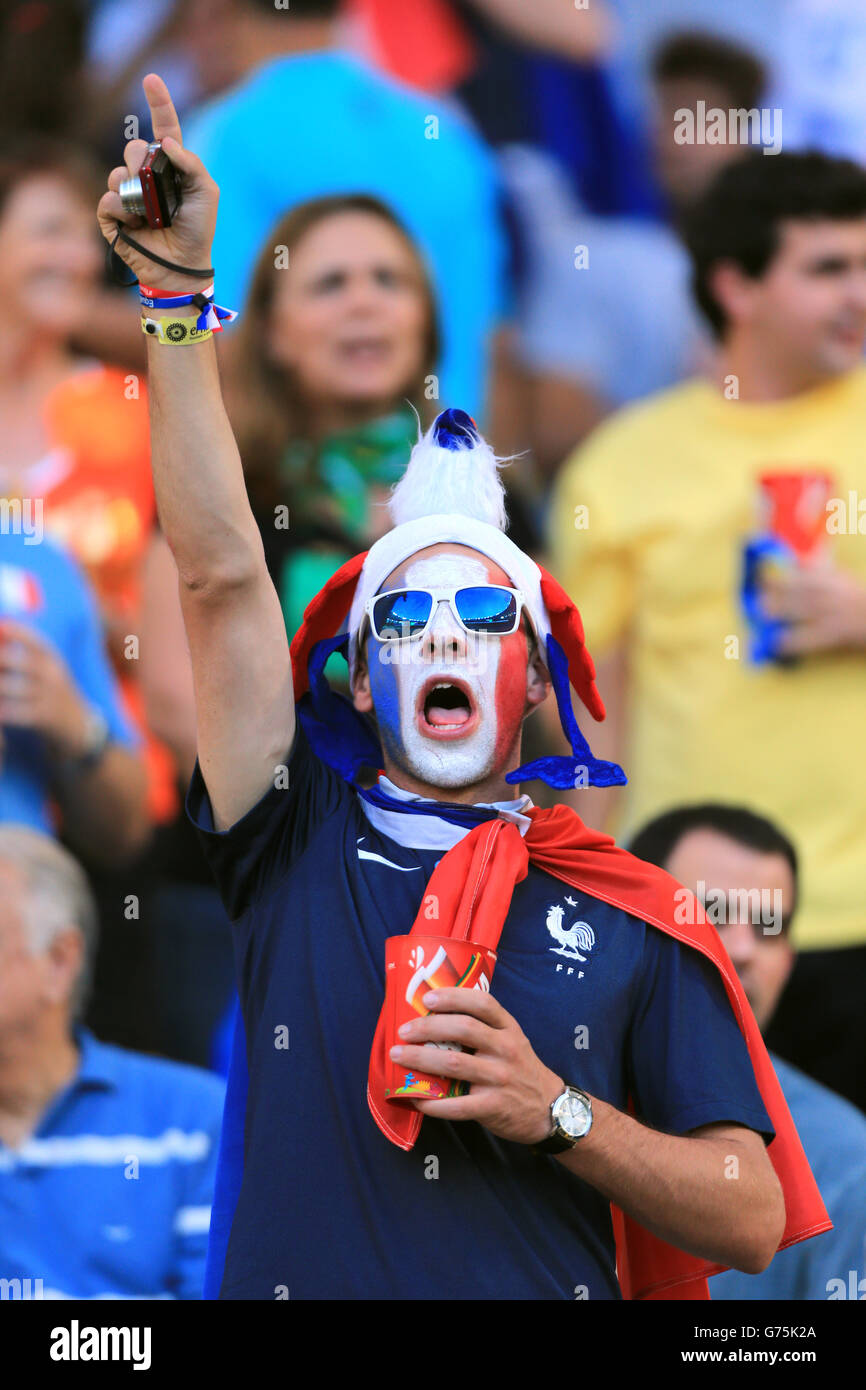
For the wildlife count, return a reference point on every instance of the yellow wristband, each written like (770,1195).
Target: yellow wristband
(176,332)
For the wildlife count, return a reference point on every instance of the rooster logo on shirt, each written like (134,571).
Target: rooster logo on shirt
(572,940)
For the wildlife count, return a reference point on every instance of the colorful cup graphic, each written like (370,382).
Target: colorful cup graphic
(414,965)
(794,510)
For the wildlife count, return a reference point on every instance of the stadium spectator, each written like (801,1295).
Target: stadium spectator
(330,356)
(106,1158)
(648,524)
(814,50)
(65,744)
(745,871)
(605,314)
(693,67)
(74,432)
(308,120)
(221,589)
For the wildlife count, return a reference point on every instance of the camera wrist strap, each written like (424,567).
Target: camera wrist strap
(160,260)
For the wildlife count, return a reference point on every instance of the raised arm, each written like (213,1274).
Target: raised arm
(233,619)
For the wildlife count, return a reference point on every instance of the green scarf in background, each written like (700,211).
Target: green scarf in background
(342,482)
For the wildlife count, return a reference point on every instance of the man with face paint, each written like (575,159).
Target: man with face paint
(468,744)
(612,1070)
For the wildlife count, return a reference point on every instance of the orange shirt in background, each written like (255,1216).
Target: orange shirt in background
(98,503)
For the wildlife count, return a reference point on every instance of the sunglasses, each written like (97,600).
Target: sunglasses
(402,614)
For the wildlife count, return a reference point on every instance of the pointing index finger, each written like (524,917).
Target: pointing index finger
(162,113)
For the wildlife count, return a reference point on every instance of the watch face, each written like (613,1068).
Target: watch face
(573,1115)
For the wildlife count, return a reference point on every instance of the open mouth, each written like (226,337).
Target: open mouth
(446,708)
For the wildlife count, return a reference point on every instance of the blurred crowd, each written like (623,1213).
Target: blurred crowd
(630,240)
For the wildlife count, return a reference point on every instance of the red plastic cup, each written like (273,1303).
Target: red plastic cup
(794,509)
(414,965)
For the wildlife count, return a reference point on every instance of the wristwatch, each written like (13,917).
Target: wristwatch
(571,1120)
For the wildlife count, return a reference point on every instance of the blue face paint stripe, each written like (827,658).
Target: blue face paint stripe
(386,699)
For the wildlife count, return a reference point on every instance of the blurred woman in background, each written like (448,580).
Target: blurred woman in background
(73,431)
(336,345)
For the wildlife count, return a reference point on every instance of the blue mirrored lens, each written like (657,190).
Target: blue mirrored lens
(401,614)
(486,609)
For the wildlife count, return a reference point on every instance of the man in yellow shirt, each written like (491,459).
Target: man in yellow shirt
(648,523)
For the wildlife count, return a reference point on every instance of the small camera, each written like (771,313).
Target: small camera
(154,192)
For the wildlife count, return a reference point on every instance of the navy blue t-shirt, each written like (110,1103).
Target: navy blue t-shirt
(328,1207)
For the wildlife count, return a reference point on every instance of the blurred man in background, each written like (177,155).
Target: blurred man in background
(107,1158)
(688,68)
(728,856)
(605,313)
(648,524)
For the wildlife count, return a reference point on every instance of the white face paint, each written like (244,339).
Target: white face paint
(403,671)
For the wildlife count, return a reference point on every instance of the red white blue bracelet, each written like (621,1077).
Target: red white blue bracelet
(210,314)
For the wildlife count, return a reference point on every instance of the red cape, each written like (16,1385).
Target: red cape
(474,883)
